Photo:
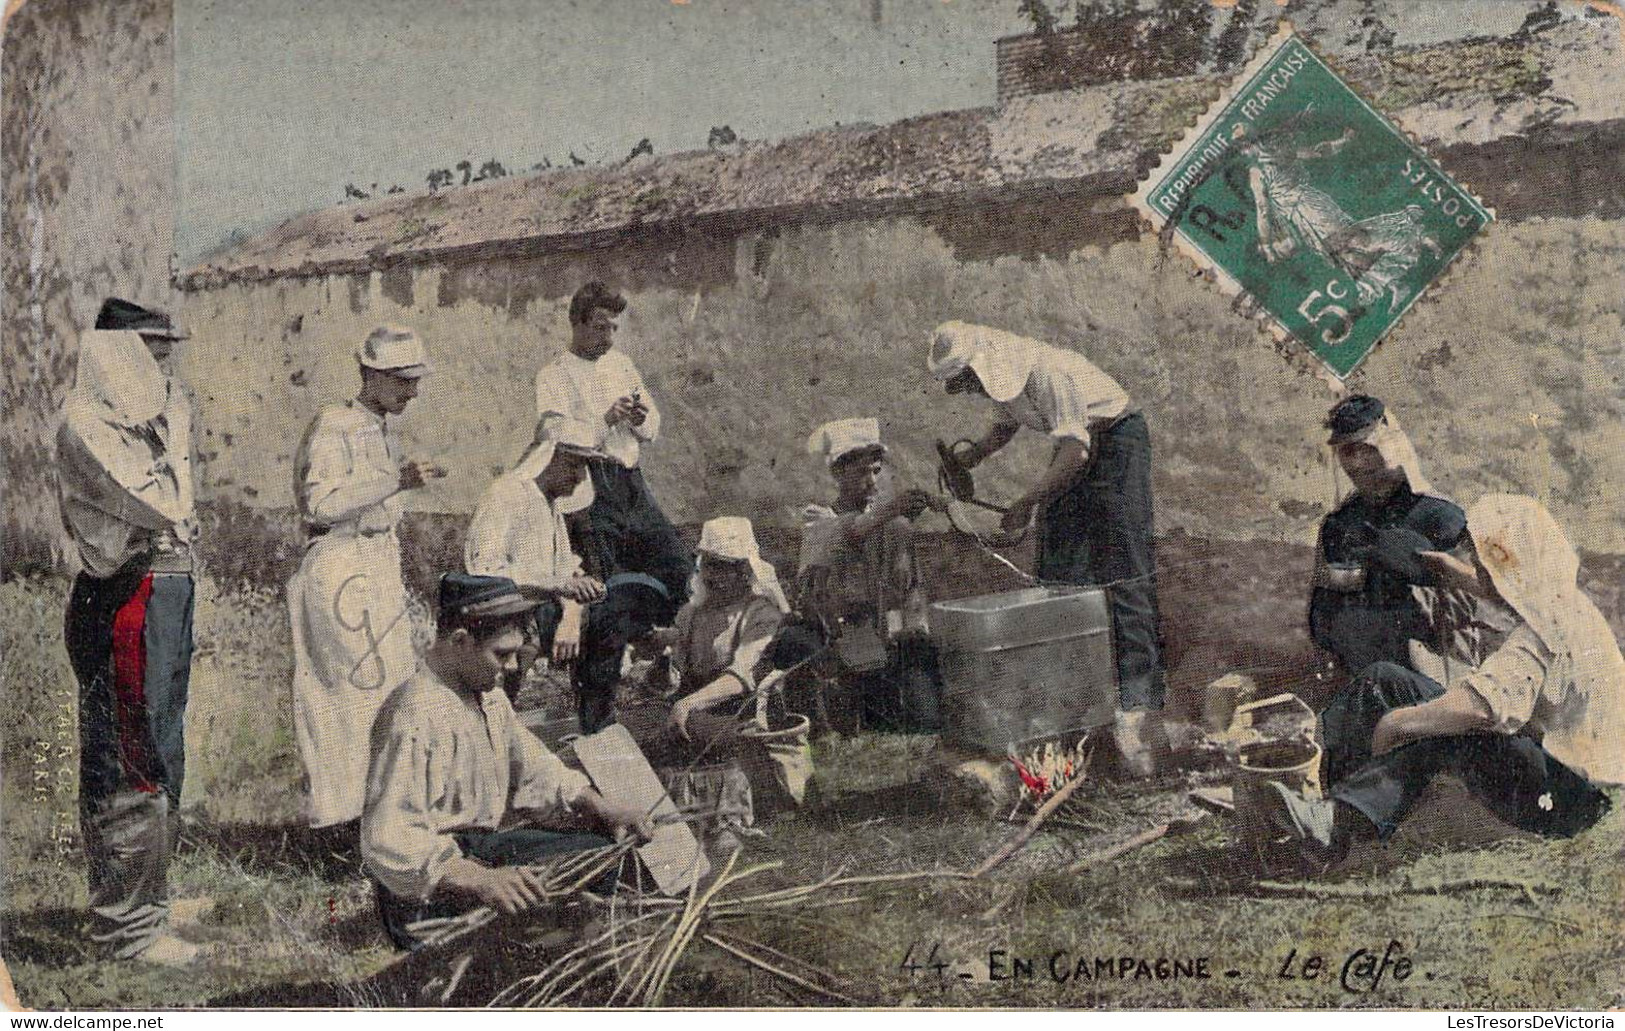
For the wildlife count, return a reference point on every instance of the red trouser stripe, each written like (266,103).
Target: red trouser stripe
(130,690)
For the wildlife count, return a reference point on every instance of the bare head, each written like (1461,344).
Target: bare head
(594,313)
(473,655)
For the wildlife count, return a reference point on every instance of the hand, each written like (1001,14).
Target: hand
(509,889)
(624,821)
(1019,515)
(912,502)
(1446,570)
(680,712)
(661,638)
(566,647)
(583,589)
(567,635)
(639,414)
(621,410)
(415,473)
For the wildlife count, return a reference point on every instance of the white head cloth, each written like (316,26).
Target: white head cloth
(1536,571)
(549,435)
(118,379)
(1534,567)
(1002,360)
(834,440)
(733,539)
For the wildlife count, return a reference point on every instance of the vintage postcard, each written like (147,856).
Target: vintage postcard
(859,504)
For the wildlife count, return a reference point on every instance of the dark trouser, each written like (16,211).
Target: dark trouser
(1360,634)
(904,697)
(1511,774)
(1098,531)
(604,635)
(494,848)
(625,532)
(607,628)
(129,640)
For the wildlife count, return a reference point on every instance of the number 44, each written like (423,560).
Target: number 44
(1339,325)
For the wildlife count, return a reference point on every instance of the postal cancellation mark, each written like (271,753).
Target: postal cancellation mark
(1301,197)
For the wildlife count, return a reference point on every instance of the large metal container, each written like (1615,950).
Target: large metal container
(1025,666)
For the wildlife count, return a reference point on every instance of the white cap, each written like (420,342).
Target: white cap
(835,440)
(730,538)
(1002,360)
(395,350)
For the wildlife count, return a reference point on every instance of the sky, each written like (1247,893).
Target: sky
(279,105)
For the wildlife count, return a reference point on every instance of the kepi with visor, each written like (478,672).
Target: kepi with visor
(471,596)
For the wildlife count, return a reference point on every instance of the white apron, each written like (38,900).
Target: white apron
(352,645)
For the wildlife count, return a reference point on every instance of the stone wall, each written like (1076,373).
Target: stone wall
(1507,375)
(88,179)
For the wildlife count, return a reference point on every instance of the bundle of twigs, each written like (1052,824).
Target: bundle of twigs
(562,880)
(636,954)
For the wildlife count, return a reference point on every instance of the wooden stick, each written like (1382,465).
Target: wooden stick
(1044,811)
(785,974)
(1139,840)
(689,923)
(1120,849)
(1304,889)
(735,936)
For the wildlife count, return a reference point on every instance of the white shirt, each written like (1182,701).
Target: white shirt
(518,533)
(583,390)
(1522,683)
(444,762)
(125,491)
(348,471)
(1065,392)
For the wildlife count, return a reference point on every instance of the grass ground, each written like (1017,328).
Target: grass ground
(294,924)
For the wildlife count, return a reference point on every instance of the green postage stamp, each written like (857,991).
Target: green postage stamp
(1309,206)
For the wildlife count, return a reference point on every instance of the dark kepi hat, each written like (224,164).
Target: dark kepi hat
(1351,418)
(485,597)
(117,313)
